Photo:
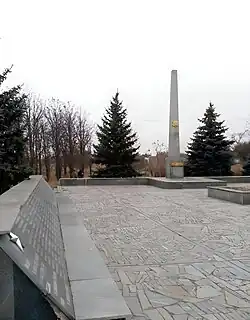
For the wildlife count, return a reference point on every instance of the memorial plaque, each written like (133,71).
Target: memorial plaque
(37,226)
(176,164)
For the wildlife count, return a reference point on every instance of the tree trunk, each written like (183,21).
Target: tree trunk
(40,163)
(47,167)
(58,165)
(83,167)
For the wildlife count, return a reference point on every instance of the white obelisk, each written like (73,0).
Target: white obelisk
(174,166)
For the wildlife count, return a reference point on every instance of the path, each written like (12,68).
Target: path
(174,254)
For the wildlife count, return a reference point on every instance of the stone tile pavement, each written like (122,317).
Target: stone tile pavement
(174,254)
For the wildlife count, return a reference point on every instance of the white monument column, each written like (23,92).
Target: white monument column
(174,166)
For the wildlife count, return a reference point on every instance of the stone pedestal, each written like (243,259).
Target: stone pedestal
(174,166)
(175,172)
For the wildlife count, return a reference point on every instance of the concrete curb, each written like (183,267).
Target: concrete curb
(233,179)
(231,195)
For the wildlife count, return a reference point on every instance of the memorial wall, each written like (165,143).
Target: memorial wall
(33,248)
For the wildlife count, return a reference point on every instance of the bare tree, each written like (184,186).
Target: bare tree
(69,137)
(159,147)
(240,136)
(157,162)
(84,138)
(46,148)
(242,150)
(56,133)
(241,146)
(34,120)
(55,120)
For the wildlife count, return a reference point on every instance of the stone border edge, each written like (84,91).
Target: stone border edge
(147,181)
(235,196)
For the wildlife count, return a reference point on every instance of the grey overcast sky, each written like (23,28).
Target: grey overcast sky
(83,51)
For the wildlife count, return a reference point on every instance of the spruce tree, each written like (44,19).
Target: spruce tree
(209,152)
(246,167)
(12,142)
(117,147)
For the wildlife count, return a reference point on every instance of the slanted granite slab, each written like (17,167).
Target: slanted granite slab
(231,194)
(10,202)
(32,249)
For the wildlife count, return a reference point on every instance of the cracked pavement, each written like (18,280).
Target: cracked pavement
(174,254)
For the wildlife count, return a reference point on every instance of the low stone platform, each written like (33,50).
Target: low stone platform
(232,194)
(164,183)
(233,179)
(185,183)
(174,254)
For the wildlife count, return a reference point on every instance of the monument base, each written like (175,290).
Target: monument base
(174,170)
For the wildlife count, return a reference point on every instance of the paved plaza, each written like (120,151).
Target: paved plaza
(174,254)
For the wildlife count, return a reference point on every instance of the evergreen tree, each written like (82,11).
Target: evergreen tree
(209,153)
(246,167)
(116,150)
(12,142)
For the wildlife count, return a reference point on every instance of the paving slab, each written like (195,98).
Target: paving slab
(83,259)
(174,254)
(98,299)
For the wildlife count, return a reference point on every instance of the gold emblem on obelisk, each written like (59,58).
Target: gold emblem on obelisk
(175,124)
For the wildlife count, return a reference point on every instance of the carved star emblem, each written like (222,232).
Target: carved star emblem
(14,238)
